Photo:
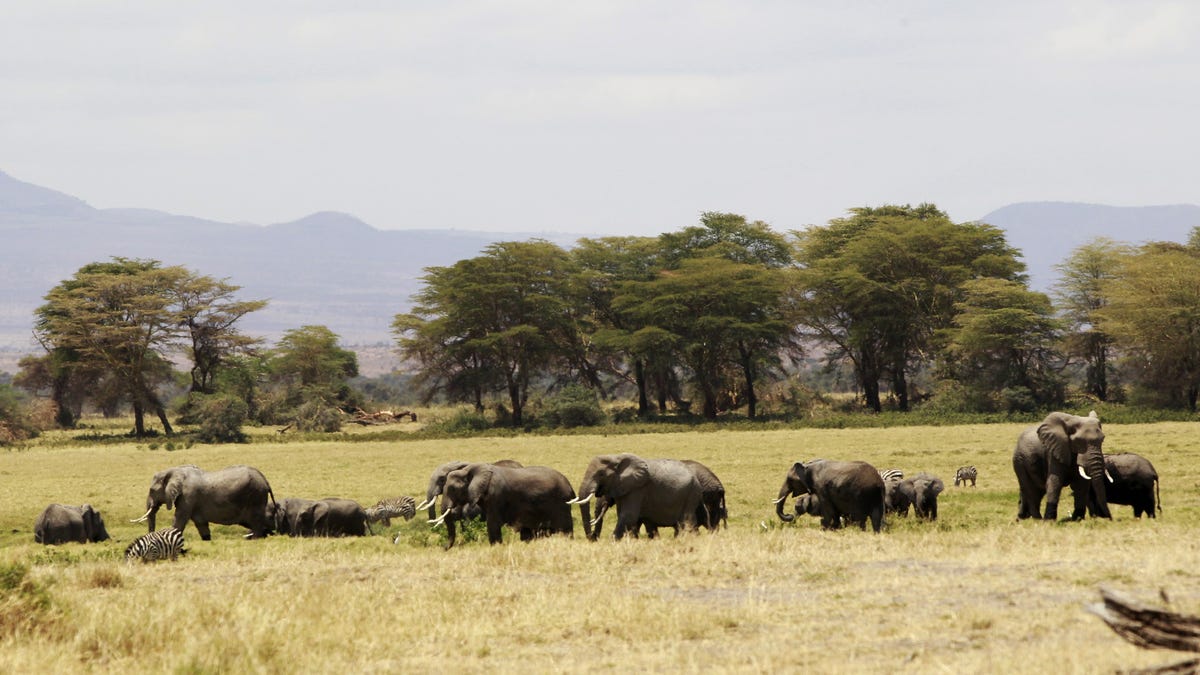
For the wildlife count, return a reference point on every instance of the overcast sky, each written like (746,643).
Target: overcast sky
(599,117)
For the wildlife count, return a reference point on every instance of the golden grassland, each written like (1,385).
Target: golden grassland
(974,592)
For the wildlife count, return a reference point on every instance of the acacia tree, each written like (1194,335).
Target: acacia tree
(603,265)
(875,288)
(209,314)
(712,312)
(1153,314)
(508,315)
(1081,295)
(118,322)
(1002,346)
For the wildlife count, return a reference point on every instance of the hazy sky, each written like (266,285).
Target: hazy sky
(599,117)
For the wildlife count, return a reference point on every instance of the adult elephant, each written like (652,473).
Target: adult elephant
(532,500)
(651,492)
(235,495)
(1133,481)
(925,488)
(711,513)
(292,516)
(1063,450)
(60,523)
(850,490)
(437,481)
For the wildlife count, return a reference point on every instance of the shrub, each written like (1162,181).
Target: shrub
(574,406)
(464,421)
(221,417)
(316,415)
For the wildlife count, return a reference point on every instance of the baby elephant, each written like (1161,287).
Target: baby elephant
(59,524)
(926,488)
(1132,481)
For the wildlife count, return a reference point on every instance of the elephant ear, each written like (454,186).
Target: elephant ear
(796,480)
(632,472)
(174,489)
(1055,433)
(479,485)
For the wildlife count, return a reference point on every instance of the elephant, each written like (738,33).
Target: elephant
(650,492)
(59,524)
(1063,450)
(1133,481)
(292,516)
(926,488)
(898,496)
(438,479)
(337,517)
(712,512)
(850,490)
(235,495)
(532,500)
(808,504)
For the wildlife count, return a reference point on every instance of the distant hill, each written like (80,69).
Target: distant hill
(327,268)
(1047,232)
(335,270)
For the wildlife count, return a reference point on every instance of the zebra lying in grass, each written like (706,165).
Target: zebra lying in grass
(964,474)
(889,475)
(158,545)
(386,509)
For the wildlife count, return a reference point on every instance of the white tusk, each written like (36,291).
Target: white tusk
(145,516)
(781,499)
(425,504)
(597,520)
(439,520)
(580,500)
(1083,473)
(1108,475)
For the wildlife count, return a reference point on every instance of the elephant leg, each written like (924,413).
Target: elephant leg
(202,528)
(1054,486)
(495,536)
(526,534)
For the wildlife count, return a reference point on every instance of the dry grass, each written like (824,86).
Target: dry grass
(975,592)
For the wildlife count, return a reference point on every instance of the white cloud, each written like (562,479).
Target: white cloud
(1127,29)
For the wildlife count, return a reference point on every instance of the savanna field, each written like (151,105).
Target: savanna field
(974,592)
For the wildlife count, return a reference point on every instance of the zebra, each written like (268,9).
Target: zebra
(158,545)
(386,509)
(891,475)
(964,474)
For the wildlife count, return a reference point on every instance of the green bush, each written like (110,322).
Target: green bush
(316,415)
(464,421)
(573,406)
(221,417)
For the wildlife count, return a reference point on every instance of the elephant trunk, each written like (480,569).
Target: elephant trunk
(587,489)
(1092,463)
(152,506)
(784,493)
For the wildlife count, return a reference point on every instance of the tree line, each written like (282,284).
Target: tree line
(920,310)
(113,333)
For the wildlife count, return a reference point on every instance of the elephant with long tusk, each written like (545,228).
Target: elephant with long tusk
(1064,450)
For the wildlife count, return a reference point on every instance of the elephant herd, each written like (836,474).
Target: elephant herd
(1064,450)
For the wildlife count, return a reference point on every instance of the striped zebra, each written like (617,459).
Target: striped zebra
(891,475)
(964,474)
(158,545)
(386,509)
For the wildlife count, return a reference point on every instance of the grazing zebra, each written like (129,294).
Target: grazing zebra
(964,474)
(386,509)
(889,475)
(158,545)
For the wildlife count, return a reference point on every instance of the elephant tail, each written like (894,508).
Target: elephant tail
(1157,497)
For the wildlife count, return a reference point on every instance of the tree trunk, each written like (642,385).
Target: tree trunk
(639,377)
(139,421)
(900,388)
(748,372)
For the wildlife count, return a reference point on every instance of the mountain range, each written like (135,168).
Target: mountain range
(333,269)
